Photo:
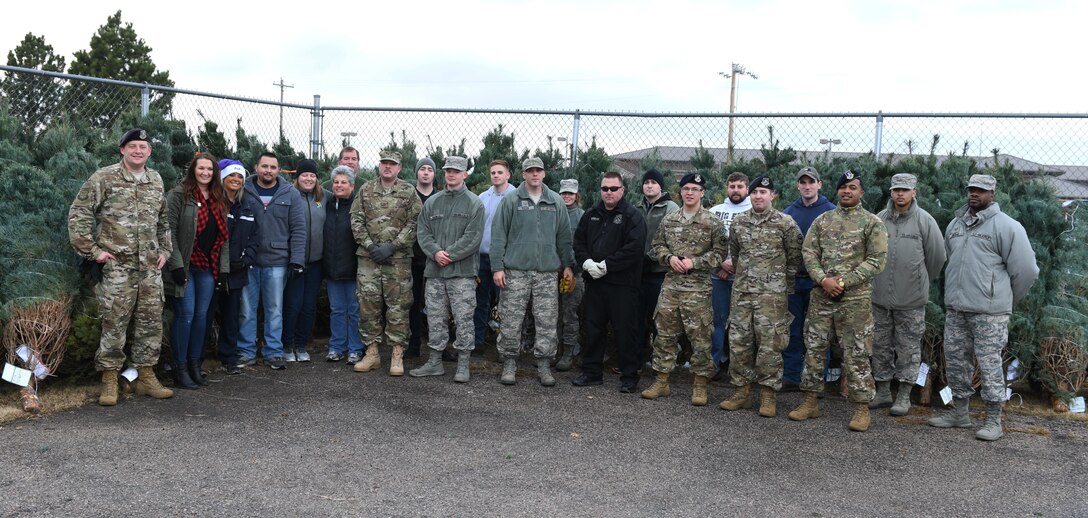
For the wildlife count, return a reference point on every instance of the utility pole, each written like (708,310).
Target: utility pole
(736,70)
(282,85)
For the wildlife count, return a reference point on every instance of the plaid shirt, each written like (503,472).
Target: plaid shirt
(208,260)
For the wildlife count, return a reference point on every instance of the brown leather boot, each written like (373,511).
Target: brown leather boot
(767,398)
(740,399)
(660,387)
(108,393)
(396,362)
(698,390)
(860,422)
(809,408)
(148,385)
(370,361)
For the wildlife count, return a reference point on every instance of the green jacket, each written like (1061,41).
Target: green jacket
(653,213)
(915,257)
(380,215)
(766,252)
(452,221)
(851,242)
(531,236)
(181,214)
(701,239)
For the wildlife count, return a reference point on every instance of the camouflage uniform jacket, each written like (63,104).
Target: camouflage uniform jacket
(915,257)
(130,216)
(766,252)
(847,241)
(380,215)
(452,221)
(701,239)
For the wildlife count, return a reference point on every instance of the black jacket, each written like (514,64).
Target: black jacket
(338,257)
(243,238)
(618,237)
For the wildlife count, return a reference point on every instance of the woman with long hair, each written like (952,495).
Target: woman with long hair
(198,228)
(243,231)
(300,294)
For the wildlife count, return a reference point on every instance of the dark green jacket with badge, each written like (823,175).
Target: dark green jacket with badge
(531,236)
(452,221)
(701,239)
(181,214)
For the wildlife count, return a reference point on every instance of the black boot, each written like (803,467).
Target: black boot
(196,373)
(182,379)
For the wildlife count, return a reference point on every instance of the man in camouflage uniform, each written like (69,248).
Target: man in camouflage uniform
(118,220)
(765,247)
(844,249)
(383,220)
(900,292)
(530,243)
(691,242)
(450,228)
(991,266)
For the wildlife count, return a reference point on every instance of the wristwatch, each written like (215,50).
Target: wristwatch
(842,284)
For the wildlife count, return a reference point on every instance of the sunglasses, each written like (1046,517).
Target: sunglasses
(610,188)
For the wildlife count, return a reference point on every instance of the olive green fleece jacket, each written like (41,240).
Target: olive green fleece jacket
(531,236)
(452,221)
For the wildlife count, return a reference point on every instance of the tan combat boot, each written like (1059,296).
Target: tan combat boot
(148,385)
(860,422)
(767,402)
(370,361)
(809,408)
(396,362)
(108,394)
(740,399)
(698,390)
(660,387)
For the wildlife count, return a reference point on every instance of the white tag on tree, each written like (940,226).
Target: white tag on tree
(23,352)
(1008,393)
(130,374)
(923,373)
(16,375)
(1014,370)
(946,395)
(1077,405)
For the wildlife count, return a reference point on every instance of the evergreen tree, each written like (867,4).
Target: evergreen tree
(211,140)
(497,145)
(593,162)
(775,156)
(115,52)
(33,99)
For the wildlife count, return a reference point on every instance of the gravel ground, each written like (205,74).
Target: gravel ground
(319,438)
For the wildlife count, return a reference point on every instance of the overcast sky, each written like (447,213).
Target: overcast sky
(986,56)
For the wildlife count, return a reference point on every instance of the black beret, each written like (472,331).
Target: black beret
(763,181)
(847,177)
(134,134)
(694,178)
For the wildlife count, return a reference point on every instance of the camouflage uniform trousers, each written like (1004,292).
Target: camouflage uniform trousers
(759,330)
(568,329)
(852,322)
(454,297)
(522,287)
(683,313)
(384,290)
(984,337)
(129,298)
(897,343)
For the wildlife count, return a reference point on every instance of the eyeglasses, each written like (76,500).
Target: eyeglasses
(610,188)
(692,189)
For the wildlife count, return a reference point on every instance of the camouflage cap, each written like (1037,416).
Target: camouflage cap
(390,156)
(810,172)
(134,134)
(459,163)
(568,185)
(531,162)
(904,181)
(983,181)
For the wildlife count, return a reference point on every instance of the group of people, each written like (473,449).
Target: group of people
(759,294)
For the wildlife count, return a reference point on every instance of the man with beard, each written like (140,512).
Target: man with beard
(721,278)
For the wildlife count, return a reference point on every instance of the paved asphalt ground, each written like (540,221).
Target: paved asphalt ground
(320,440)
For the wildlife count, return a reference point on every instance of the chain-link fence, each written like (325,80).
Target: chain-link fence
(1054,145)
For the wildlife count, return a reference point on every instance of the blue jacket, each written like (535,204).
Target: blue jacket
(804,216)
(339,259)
(244,238)
(282,226)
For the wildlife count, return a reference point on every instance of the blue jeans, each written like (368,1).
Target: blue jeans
(266,285)
(343,317)
(793,357)
(300,307)
(484,292)
(722,293)
(191,316)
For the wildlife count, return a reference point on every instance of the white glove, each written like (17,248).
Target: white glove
(591,268)
(603,268)
(597,271)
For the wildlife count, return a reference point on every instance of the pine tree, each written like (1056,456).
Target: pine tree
(33,99)
(498,145)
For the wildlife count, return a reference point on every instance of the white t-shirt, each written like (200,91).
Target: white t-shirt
(727,212)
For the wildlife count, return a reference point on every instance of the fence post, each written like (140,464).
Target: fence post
(574,147)
(315,128)
(145,100)
(879,133)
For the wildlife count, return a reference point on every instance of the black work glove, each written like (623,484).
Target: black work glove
(179,275)
(382,253)
(294,271)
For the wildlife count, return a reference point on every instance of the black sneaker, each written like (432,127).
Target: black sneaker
(277,363)
(629,387)
(231,368)
(586,381)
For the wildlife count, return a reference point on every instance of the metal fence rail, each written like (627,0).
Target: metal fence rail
(1052,143)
